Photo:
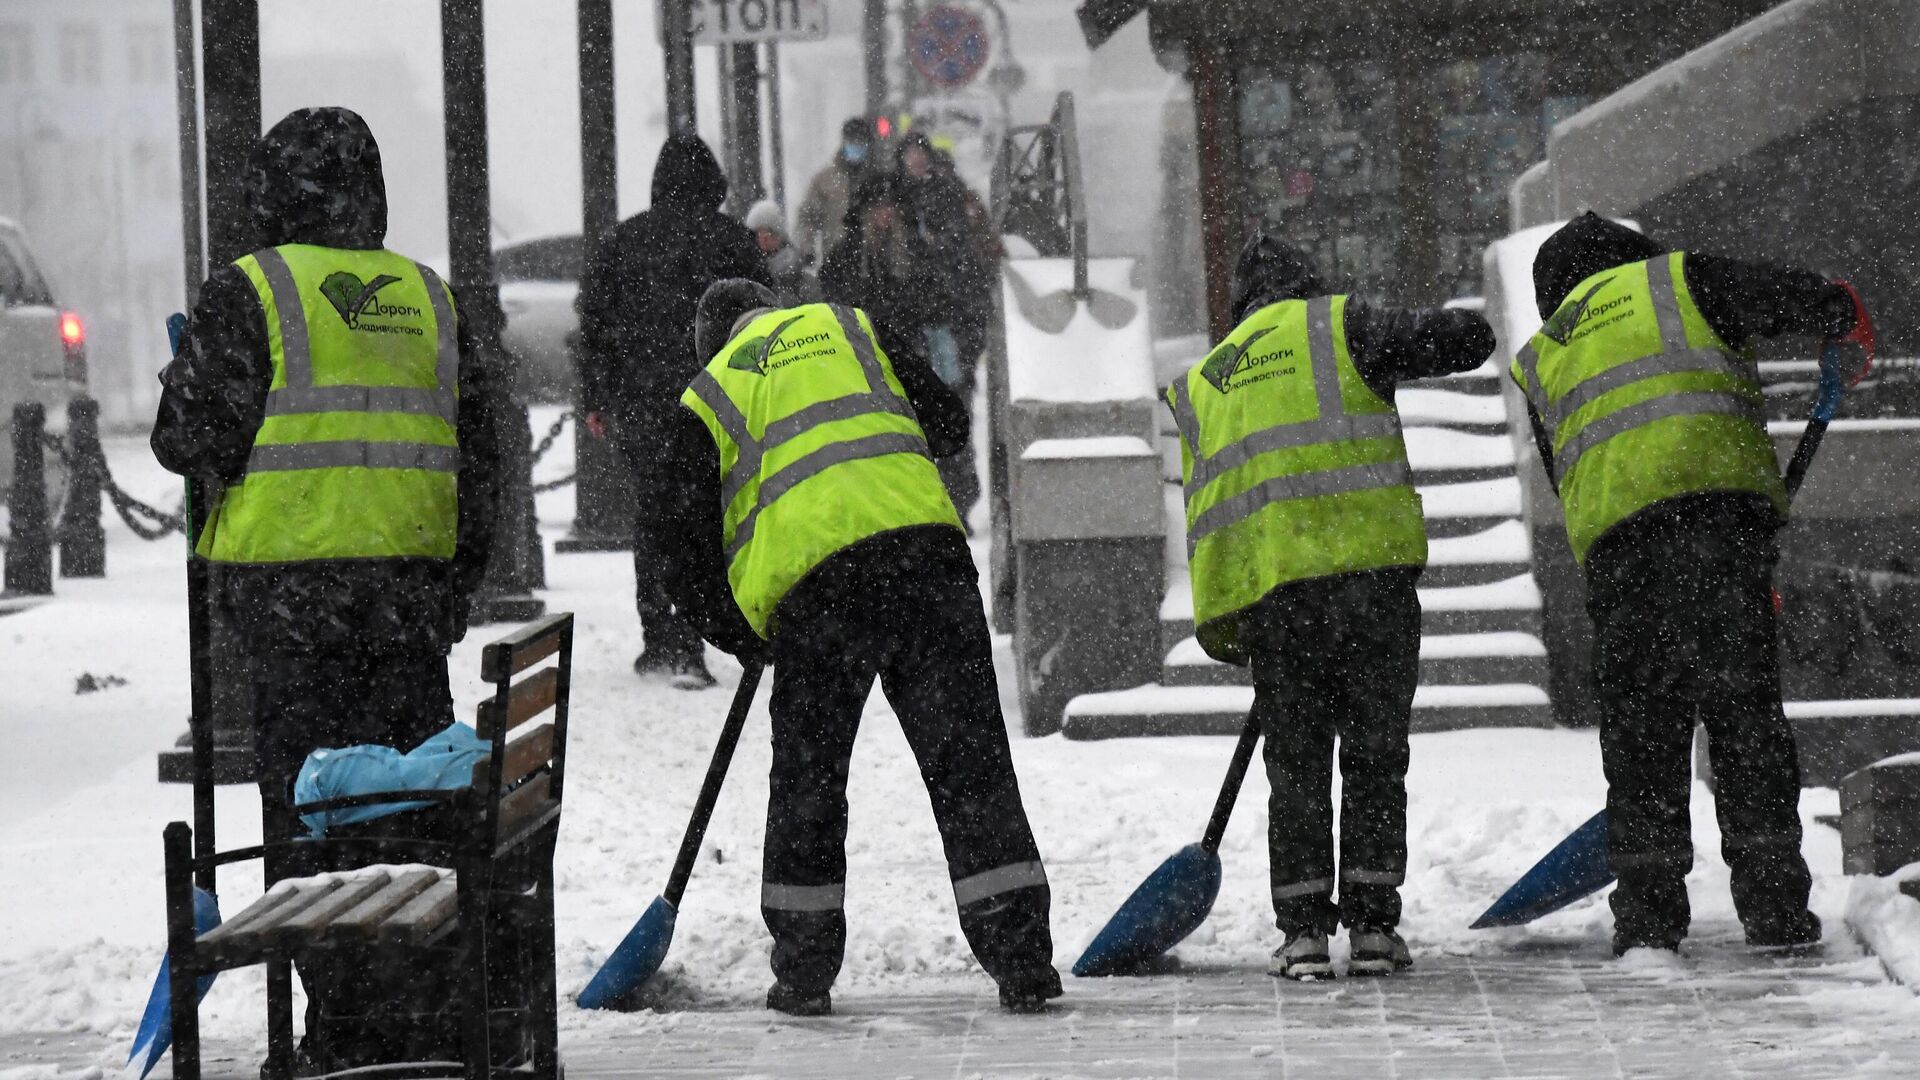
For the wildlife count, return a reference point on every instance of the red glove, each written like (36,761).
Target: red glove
(1861,334)
(596,426)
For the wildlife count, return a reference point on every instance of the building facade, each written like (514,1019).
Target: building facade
(89,166)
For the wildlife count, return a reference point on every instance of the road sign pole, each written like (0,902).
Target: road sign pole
(677,41)
(776,141)
(744,72)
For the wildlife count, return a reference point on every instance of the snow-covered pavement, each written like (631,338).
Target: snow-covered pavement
(81,813)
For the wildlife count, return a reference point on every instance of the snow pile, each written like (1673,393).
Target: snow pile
(1887,921)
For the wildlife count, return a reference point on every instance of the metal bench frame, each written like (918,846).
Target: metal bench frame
(503,831)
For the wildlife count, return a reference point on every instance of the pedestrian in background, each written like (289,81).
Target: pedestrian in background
(1650,419)
(819,224)
(838,566)
(787,266)
(350,436)
(642,285)
(1306,539)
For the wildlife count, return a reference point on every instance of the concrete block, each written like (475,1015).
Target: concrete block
(1087,488)
(1084,620)
(1880,816)
(1765,80)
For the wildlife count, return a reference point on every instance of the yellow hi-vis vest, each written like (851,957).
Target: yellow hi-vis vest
(819,449)
(357,457)
(1294,469)
(1644,401)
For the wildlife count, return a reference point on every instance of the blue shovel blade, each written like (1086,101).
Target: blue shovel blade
(1172,903)
(635,959)
(156,1024)
(1575,869)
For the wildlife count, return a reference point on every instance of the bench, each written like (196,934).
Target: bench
(481,878)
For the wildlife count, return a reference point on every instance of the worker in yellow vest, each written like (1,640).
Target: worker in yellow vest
(1305,539)
(816,535)
(1648,412)
(326,390)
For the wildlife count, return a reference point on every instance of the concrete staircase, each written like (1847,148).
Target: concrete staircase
(1482,662)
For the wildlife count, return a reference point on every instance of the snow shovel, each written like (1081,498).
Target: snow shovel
(1051,313)
(644,949)
(155,1033)
(1176,898)
(1576,868)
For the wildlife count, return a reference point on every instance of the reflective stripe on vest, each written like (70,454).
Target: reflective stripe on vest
(1628,374)
(1331,476)
(358,452)
(874,422)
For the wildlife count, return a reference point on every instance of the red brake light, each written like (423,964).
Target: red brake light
(72,331)
(883,127)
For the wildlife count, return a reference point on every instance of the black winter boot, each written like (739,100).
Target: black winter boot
(1029,991)
(785,999)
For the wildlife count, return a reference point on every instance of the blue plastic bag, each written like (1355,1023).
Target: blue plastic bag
(443,763)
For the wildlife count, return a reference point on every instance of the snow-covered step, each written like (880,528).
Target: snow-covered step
(1463,455)
(1506,542)
(1450,407)
(1498,498)
(1445,659)
(1154,710)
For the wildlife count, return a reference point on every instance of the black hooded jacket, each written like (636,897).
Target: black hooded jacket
(316,179)
(643,284)
(1388,346)
(1740,300)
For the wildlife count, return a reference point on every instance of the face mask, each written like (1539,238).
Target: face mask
(854,152)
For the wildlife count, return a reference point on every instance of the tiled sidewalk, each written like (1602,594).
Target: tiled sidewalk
(1545,1011)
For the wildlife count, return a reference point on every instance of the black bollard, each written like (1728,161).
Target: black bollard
(29,569)
(83,543)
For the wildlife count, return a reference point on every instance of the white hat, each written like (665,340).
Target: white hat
(766,214)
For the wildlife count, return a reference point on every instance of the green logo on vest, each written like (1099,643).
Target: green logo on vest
(747,356)
(353,298)
(1561,324)
(763,354)
(1230,366)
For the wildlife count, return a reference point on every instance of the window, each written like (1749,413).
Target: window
(149,54)
(16,54)
(80,56)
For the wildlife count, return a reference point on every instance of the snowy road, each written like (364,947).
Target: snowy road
(80,817)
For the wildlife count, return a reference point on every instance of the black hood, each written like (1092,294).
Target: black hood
(315,178)
(1268,272)
(1580,249)
(687,176)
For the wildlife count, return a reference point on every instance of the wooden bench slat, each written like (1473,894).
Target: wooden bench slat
(300,893)
(249,915)
(367,915)
(522,803)
(523,648)
(318,917)
(525,754)
(422,915)
(528,699)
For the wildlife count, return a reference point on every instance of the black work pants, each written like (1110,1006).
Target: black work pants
(371,1008)
(1684,631)
(1337,658)
(914,619)
(667,636)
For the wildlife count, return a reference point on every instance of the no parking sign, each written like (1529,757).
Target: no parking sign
(950,46)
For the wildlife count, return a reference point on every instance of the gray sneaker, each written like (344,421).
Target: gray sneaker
(1377,951)
(1303,957)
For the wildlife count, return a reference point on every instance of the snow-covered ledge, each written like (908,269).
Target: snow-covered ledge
(1886,919)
